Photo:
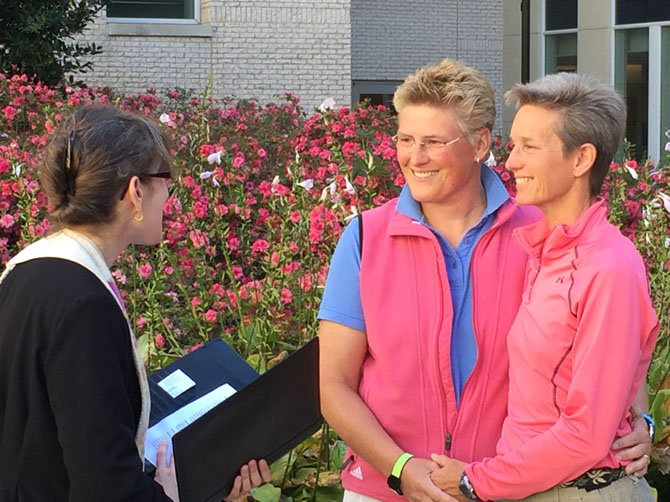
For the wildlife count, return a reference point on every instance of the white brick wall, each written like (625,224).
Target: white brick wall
(256,50)
(264,48)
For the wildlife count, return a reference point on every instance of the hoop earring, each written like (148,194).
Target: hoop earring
(140,218)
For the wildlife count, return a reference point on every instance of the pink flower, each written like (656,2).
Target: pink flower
(141,322)
(145,270)
(259,246)
(295,216)
(195,302)
(285,296)
(9,111)
(237,271)
(7,221)
(238,161)
(159,341)
(210,315)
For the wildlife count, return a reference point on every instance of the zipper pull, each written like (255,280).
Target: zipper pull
(447,441)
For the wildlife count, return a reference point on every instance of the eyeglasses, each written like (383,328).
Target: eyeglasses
(407,143)
(166,175)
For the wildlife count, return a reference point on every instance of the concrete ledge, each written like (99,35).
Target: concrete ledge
(159,30)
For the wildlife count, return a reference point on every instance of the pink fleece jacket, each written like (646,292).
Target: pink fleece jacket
(579,349)
(406,375)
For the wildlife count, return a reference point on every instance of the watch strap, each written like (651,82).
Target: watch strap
(651,424)
(400,464)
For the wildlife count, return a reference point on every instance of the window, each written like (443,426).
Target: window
(642,11)
(152,9)
(560,36)
(560,14)
(561,53)
(632,81)
(665,86)
(374,91)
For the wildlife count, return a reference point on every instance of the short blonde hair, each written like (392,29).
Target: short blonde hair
(451,84)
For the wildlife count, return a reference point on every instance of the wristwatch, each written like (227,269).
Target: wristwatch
(651,425)
(394,478)
(466,488)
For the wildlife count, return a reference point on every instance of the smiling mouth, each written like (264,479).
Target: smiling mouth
(521,180)
(424,174)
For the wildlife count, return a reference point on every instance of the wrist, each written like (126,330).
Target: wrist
(393,480)
(466,488)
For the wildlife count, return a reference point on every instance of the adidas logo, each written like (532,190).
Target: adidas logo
(357,472)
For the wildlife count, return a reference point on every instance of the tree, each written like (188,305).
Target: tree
(37,37)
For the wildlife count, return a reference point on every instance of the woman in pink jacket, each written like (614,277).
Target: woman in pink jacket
(582,340)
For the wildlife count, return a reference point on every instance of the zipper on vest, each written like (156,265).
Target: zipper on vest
(447,441)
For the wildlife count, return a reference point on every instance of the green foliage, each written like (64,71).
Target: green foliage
(36,37)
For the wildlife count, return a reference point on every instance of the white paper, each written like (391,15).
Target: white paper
(176,383)
(181,418)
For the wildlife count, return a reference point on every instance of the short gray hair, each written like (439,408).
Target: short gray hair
(591,112)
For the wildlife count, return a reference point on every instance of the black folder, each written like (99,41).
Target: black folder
(268,416)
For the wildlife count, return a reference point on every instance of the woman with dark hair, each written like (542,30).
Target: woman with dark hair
(74,399)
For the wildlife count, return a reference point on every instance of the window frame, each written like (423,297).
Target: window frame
(545,33)
(159,20)
(654,127)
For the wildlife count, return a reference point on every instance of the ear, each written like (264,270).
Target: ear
(585,157)
(135,194)
(483,144)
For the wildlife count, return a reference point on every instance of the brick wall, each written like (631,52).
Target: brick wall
(258,51)
(392,38)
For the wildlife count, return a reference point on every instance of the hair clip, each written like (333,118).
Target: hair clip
(69,174)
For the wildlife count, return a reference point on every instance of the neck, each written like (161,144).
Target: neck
(568,210)
(104,239)
(454,218)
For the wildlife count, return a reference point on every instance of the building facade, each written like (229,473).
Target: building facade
(623,42)
(344,49)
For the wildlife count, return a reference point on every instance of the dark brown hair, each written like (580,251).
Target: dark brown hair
(91,158)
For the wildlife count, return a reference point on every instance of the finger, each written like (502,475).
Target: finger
(235,490)
(246,484)
(638,467)
(440,460)
(266,474)
(254,475)
(637,436)
(634,453)
(161,454)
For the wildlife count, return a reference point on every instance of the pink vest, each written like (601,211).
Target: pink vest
(406,376)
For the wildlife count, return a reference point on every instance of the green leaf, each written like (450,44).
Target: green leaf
(266,493)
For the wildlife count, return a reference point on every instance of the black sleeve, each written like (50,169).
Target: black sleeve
(87,374)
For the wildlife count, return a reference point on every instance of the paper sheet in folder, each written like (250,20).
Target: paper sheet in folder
(267,416)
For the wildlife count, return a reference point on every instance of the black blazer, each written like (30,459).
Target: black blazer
(69,395)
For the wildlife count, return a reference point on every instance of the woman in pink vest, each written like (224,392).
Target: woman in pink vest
(420,297)
(582,340)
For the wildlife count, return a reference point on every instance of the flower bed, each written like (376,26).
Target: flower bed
(263,195)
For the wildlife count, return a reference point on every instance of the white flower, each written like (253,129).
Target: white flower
(349,188)
(667,146)
(164,118)
(214,157)
(206,175)
(17,170)
(667,242)
(275,180)
(631,171)
(491,161)
(327,104)
(332,187)
(666,200)
(307,184)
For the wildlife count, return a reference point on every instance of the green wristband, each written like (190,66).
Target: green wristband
(400,464)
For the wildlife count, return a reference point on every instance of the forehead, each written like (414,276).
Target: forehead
(534,122)
(428,120)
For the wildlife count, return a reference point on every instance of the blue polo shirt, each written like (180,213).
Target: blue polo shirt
(341,301)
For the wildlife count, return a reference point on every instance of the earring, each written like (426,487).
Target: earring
(141,217)
(476,160)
